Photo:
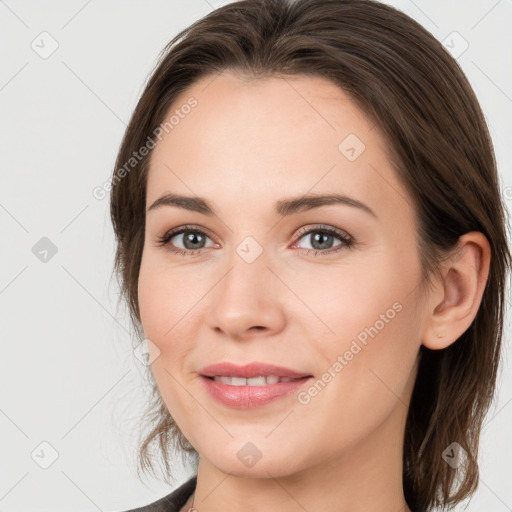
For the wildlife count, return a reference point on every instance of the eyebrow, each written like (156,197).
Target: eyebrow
(283,207)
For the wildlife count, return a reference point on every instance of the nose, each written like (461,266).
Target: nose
(248,300)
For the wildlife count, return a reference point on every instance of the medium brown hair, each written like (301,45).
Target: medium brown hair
(415,92)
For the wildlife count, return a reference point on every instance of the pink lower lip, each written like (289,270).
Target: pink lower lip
(248,397)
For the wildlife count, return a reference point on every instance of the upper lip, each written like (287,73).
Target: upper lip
(250,370)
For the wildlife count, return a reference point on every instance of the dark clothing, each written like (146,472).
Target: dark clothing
(172,502)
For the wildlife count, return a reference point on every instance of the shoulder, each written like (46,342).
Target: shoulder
(172,502)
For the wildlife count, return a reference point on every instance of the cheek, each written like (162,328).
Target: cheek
(367,374)
(170,300)
(167,314)
(344,302)
(159,303)
(369,330)
(152,301)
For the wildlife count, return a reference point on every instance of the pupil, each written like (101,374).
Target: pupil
(193,239)
(320,236)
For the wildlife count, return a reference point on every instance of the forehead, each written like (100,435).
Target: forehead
(269,137)
(274,113)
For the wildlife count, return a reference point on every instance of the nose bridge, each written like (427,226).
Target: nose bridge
(246,296)
(248,268)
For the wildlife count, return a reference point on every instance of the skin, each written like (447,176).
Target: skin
(246,145)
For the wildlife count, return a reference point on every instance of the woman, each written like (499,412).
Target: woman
(312,243)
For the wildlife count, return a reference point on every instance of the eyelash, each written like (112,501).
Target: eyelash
(347,240)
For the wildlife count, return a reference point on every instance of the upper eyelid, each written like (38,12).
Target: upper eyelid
(181,229)
(323,227)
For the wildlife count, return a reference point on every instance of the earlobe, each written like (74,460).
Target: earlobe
(455,303)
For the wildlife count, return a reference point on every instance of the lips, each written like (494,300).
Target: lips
(253,381)
(252,385)
(250,397)
(252,371)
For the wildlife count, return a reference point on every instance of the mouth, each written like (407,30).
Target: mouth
(262,380)
(252,385)
(247,374)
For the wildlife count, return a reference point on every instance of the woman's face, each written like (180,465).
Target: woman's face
(260,280)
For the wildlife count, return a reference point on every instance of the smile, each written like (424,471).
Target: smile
(254,381)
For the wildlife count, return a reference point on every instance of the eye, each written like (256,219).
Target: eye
(322,237)
(193,240)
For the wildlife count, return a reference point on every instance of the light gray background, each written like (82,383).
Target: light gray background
(68,375)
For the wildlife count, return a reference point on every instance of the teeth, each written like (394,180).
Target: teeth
(253,381)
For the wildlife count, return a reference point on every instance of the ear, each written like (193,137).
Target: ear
(454,302)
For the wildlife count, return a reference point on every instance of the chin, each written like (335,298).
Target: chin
(254,459)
